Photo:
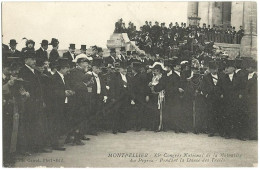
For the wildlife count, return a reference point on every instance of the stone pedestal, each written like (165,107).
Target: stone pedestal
(249,40)
(118,40)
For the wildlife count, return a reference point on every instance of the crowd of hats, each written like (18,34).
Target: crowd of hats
(159,39)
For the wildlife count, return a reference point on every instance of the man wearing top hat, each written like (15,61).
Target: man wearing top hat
(120,96)
(54,54)
(212,89)
(13,52)
(41,53)
(70,55)
(99,95)
(83,49)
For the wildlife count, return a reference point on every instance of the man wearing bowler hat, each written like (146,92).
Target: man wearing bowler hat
(70,55)
(32,134)
(54,54)
(120,96)
(233,95)
(140,94)
(41,53)
(212,90)
(13,52)
(99,95)
(61,104)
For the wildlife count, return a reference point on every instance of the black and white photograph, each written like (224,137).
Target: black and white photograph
(129,84)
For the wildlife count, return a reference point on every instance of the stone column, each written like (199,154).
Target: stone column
(204,12)
(216,13)
(237,14)
(249,41)
(192,13)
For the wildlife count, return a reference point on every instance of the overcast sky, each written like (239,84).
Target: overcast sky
(87,23)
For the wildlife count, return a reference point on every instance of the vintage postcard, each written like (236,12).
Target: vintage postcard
(129,84)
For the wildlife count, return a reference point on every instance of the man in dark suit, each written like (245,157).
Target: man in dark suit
(251,100)
(155,31)
(5,50)
(140,94)
(13,54)
(32,134)
(99,95)
(54,55)
(120,96)
(212,89)
(235,108)
(122,56)
(61,100)
(41,53)
(70,55)
(83,49)
(112,59)
(146,27)
(80,82)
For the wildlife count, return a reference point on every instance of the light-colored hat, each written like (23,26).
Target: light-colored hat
(156,64)
(82,56)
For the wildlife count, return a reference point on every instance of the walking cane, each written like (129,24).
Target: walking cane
(194,113)
(15,127)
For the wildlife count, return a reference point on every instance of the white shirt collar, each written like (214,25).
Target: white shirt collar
(237,70)
(231,76)
(215,76)
(30,68)
(250,75)
(42,49)
(71,54)
(3,75)
(170,73)
(94,74)
(178,73)
(61,75)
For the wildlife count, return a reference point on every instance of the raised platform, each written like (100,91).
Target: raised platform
(233,50)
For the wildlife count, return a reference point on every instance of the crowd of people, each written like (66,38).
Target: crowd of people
(51,100)
(163,40)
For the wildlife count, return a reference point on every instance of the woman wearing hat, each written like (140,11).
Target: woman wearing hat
(54,55)
(157,98)
(29,47)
